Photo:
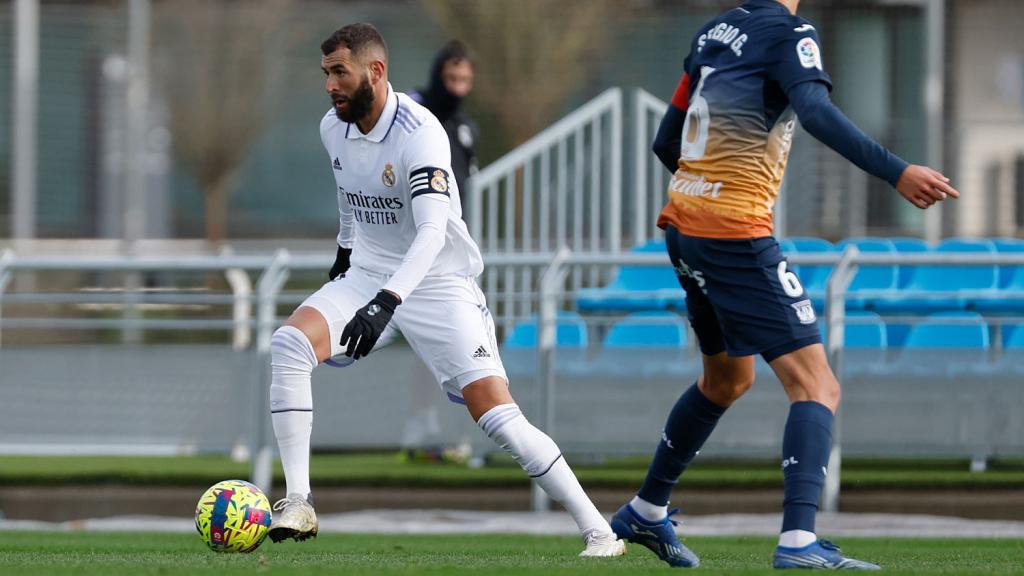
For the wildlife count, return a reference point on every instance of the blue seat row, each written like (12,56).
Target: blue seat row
(941,330)
(890,289)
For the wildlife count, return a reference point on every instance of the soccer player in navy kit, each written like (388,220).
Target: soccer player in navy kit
(750,74)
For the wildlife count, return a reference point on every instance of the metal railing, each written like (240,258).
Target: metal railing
(845,266)
(554,294)
(563,187)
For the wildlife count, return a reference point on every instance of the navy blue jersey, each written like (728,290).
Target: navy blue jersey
(739,125)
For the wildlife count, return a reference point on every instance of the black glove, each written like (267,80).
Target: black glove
(341,263)
(364,329)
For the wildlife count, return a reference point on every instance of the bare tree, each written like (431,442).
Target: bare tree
(221,67)
(533,52)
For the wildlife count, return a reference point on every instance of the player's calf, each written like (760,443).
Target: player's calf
(540,457)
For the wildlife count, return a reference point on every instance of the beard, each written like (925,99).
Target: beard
(359,104)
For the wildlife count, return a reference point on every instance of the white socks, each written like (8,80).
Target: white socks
(796,538)
(540,457)
(649,511)
(292,360)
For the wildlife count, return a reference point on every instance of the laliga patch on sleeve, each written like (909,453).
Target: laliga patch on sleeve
(810,55)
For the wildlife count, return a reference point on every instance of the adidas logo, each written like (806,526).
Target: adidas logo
(337,165)
(481,352)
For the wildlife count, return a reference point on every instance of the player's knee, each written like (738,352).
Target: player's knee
(291,351)
(723,390)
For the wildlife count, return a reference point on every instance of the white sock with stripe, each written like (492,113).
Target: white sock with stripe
(540,457)
(292,360)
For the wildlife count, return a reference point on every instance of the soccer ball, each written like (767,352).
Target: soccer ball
(233,516)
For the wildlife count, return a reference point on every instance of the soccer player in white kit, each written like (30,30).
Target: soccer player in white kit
(413,269)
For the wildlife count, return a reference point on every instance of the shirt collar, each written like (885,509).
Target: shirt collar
(380,130)
(766,4)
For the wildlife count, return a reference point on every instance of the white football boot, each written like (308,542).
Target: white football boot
(603,545)
(293,517)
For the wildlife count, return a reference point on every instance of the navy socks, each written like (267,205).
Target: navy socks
(689,424)
(805,449)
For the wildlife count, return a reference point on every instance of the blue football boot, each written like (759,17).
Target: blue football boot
(822,554)
(659,536)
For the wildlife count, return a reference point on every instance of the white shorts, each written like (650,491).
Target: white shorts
(445,320)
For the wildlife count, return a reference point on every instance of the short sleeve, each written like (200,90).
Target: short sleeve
(428,158)
(795,57)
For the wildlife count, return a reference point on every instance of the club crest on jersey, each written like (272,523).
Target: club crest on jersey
(805,312)
(388,176)
(810,55)
(439,181)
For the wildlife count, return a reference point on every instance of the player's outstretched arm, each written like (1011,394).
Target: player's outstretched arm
(920,185)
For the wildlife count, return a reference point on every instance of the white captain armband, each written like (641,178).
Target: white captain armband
(429,180)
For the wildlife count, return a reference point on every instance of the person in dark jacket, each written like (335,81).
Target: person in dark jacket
(451,80)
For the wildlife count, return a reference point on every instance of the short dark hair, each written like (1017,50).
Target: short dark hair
(357,38)
(456,50)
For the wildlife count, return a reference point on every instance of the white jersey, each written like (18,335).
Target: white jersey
(398,202)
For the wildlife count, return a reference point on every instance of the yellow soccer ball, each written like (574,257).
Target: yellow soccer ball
(233,516)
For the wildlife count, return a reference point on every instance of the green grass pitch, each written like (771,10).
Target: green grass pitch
(44,553)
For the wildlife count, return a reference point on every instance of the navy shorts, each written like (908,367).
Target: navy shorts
(741,296)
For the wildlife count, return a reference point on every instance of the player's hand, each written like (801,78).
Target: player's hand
(922,186)
(364,329)
(341,263)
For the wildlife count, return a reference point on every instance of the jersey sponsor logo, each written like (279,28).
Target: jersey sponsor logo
(439,182)
(388,176)
(481,352)
(805,312)
(337,164)
(689,184)
(810,55)
(726,34)
(379,210)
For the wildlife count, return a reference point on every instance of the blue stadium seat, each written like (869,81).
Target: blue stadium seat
(865,343)
(945,342)
(1013,337)
(648,329)
(950,330)
(925,279)
(1010,296)
(865,330)
(813,277)
(1012,360)
(645,345)
(905,245)
(571,332)
(637,288)
(874,278)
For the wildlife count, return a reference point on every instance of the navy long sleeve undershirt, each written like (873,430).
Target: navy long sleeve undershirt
(669,137)
(829,125)
(818,116)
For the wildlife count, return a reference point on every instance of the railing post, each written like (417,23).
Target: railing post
(615,215)
(551,282)
(835,313)
(639,168)
(5,278)
(241,304)
(267,290)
